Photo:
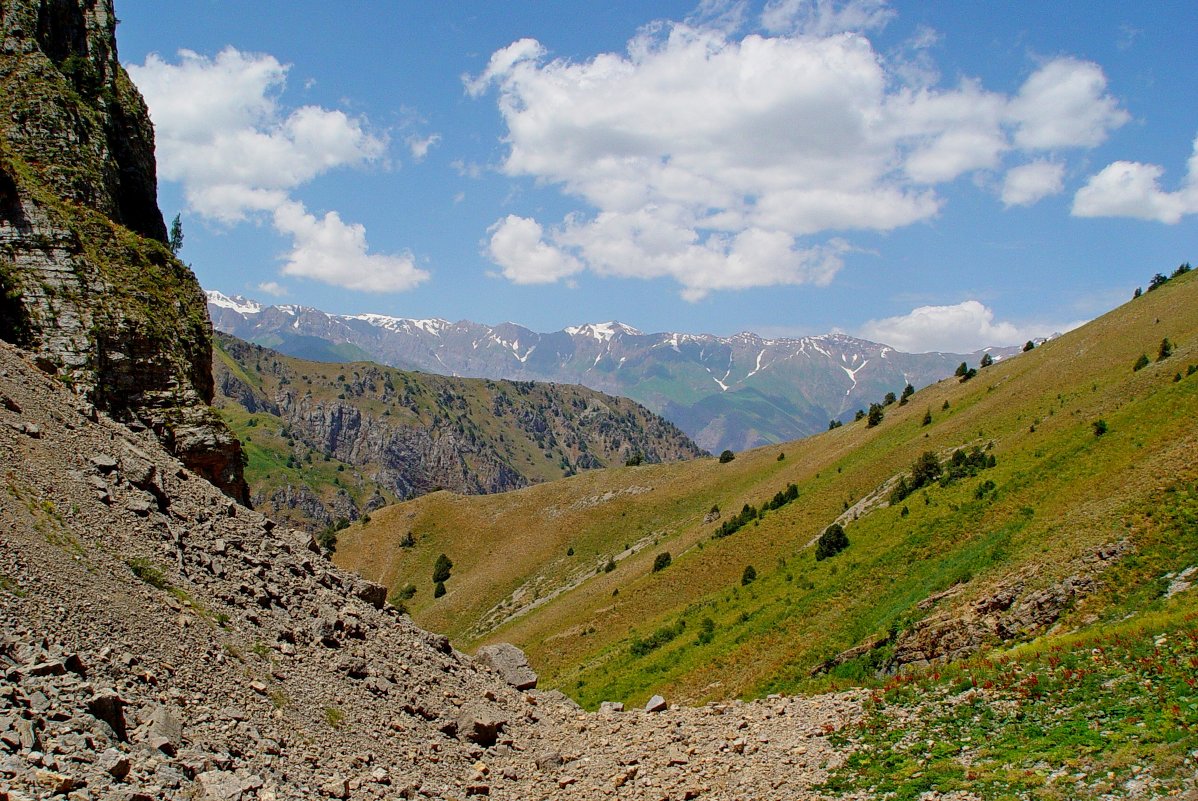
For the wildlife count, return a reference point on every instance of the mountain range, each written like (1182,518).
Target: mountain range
(733,392)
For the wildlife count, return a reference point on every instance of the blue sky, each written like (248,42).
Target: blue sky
(931,175)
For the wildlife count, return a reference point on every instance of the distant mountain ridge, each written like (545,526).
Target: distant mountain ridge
(725,392)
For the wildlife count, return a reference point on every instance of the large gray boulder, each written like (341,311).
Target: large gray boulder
(510,663)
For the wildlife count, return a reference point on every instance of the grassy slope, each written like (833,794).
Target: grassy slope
(1060,491)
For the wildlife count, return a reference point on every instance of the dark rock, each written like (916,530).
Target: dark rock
(510,663)
(109,707)
(478,729)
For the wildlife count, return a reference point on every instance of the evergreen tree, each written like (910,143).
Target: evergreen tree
(175,240)
(987,360)
(441,569)
(908,391)
(831,542)
(875,415)
(749,576)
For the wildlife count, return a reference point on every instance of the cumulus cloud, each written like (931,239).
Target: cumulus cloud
(518,246)
(728,163)
(223,134)
(1029,183)
(1065,104)
(335,252)
(961,328)
(1132,189)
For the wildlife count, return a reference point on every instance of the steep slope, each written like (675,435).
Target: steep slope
(725,392)
(328,442)
(86,279)
(1044,536)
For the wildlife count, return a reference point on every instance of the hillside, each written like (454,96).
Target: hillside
(725,392)
(1075,525)
(331,442)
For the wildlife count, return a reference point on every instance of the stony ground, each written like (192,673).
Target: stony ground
(159,641)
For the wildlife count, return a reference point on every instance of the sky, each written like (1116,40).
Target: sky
(935,176)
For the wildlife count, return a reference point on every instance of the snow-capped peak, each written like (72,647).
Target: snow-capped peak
(432,326)
(236,302)
(603,332)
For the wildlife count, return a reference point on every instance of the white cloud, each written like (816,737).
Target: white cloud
(1132,189)
(696,153)
(1065,104)
(330,250)
(420,145)
(1029,183)
(223,134)
(825,17)
(518,246)
(272,288)
(961,328)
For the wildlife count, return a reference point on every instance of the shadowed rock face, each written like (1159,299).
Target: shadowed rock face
(86,280)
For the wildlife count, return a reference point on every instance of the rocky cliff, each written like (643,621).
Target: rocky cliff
(87,282)
(333,441)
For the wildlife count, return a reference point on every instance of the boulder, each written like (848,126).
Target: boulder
(510,663)
(656,704)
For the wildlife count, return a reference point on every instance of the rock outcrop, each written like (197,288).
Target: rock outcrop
(87,282)
(398,434)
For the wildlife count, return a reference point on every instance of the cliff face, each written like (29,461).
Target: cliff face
(87,282)
(331,441)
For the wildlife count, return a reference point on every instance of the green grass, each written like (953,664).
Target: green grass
(1057,491)
(1074,718)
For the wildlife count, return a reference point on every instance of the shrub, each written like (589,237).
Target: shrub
(1193,368)
(570,551)
(749,576)
(727,456)
(661,561)
(635,460)
(962,369)
(610,566)
(944,406)
(1141,363)
(145,570)
(781,457)
(401,594)
(706,631)
(408,541)
(834,424)
(439,589)
(875,414)
(1157,281)
(1166,350)
(657,639)
(859,415)
(1029,345)
(1137,293)
(441,569)
(927,417)
(889,399)
(908,391)
(987,360)
(1100,427)
(1182,269)
(831,542)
